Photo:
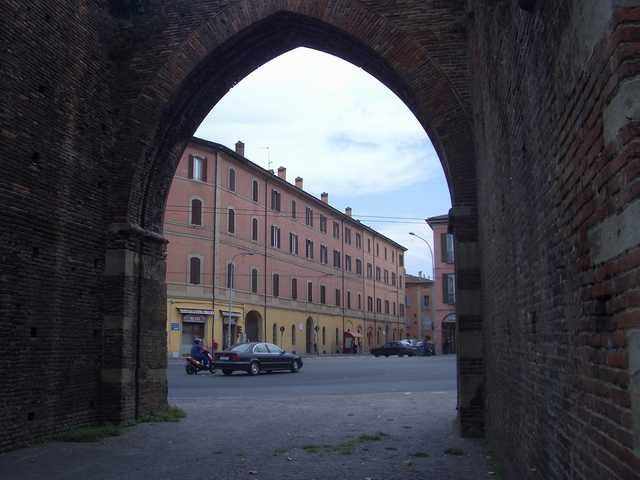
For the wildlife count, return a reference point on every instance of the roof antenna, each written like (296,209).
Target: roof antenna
(268,158)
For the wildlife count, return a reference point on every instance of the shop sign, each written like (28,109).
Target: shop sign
(194,318)
(175,327)
(195,311)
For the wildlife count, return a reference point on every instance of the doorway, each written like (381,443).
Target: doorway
(252,322)
(310,336)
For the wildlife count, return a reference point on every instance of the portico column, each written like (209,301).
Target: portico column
(469,337)
(133,370)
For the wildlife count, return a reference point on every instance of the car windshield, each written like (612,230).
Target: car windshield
(241,347)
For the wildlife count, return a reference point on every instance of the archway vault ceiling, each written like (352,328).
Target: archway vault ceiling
(192,56)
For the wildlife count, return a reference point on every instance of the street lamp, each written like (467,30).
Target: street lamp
(433,265)
(231,280)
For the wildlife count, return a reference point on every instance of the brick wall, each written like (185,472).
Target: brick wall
(556,119)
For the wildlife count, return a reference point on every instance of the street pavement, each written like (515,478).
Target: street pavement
(354,417)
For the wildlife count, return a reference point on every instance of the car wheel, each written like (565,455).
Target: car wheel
(190,369)
(254,368)
(212,369)
(227,371)
(401,355)
(294,366)
(386,355)
(376,355)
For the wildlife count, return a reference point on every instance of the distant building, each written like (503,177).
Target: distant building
(252,256)
(419,302)
(444,293)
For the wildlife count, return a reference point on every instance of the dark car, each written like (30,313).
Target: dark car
(425,348)
(256,357)
(394,348)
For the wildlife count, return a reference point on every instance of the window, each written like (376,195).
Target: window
(386,276)
(308,217)
(254,229)
(393,279)
(274,348)
(324,254)
(294,288)
(348,299)
(194,271)
(449,288)
(446,241)
(378,273)
(400,281)
(378,305)
(232,180)
(401,259)
(385,253)
(377,249)
(275,236)
(254,280)
(369,271)
(275,200)
(359,302)
(358,240)
(347,263)
(336,259)
(386,307)
(425,300)
(323,294)
(402,310)
(323,224)
(369,245)
(231,221)
(230,275)
(358,266)
(393,256)
(293,334)
(338,296)
(293,244)
(274,333)
(337,337)
(336,230)
(347,236)
(369,304)
(196,212)
(259,348)
(198,168)
(275,285)
(309,292)
(308,249)
(394,308)
(254,190)
(293,209)
(324,335)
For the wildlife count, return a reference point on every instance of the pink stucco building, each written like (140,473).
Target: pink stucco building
(419,307)
(254,256)
(444,289)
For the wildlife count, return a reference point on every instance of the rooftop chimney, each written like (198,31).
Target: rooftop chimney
(240,148)
(347,211)
(282,173)
(299,182)
(324,196)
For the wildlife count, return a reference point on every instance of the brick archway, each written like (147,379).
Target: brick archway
(209,58)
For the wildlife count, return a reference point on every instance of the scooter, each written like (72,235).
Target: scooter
(193,366)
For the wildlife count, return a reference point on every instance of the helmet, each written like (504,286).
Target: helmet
(197,341)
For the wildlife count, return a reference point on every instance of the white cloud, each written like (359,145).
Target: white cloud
(327,121)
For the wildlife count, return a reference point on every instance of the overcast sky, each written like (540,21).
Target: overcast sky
(345,133)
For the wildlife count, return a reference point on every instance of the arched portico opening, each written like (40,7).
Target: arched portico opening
(161,118)
(253,326)
(449,342)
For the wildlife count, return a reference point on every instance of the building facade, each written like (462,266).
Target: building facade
(419,308)
(252,256)
(444,289)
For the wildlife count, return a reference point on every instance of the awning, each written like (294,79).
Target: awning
(354,334)
(195,311)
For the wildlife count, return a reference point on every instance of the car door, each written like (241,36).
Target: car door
(278,358)
(261,353)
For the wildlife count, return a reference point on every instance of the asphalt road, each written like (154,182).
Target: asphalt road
(339,417)
(322,376)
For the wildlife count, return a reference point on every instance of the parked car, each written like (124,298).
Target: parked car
(425,348)
(394,348)
(256,357)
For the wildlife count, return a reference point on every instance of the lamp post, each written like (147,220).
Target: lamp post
(231,282)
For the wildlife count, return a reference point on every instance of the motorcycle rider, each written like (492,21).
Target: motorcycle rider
(199,353)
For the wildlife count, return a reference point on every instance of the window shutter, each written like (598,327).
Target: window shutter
(196,212)
(191,166)
(445,289)
(443,247)
(194,267)
(204,169)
